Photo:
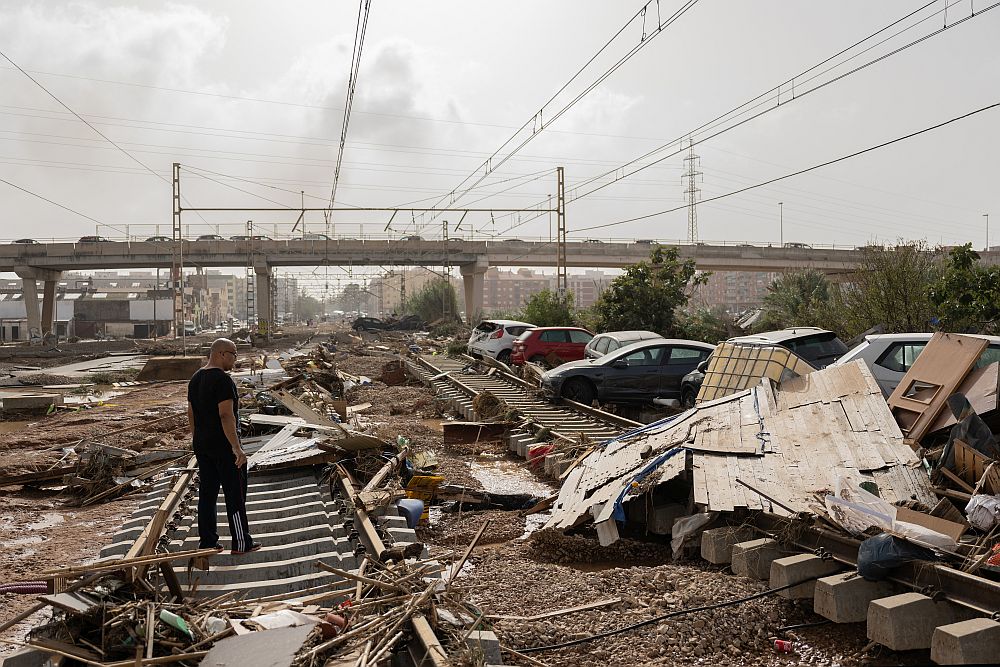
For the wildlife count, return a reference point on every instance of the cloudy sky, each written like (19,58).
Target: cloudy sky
(255,91)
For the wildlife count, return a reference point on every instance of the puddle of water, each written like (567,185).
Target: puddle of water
(96,397)
(508,477)
(47,521)
(13,427)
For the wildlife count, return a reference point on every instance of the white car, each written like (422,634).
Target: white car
(890,356)
(495,338)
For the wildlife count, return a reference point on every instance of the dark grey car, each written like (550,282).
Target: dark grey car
(634,374)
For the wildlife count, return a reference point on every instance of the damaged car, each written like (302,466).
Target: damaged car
(635,374)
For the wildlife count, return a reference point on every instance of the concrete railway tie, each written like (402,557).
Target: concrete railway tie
(291,514)
(897,618)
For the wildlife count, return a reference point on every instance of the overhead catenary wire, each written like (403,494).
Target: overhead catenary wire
(540,120)
(352,81)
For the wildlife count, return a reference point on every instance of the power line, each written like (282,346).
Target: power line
(352,81)
(54,203)
(802,171)
(82,119)
(540,120)
(772,95)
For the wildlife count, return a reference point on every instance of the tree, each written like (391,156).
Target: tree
(545,309)
(706,324)
(648,293)
(308,307)
(891,288)
(433,301)
(799,298)
(966,294)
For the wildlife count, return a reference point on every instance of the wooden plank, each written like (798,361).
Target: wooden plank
(699,479)
(943,366)
(969,463)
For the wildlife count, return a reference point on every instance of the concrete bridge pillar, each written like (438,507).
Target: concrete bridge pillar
(262,295)
(473,280)
(39,321)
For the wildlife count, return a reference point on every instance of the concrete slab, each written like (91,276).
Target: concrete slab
(270,648)
(753,558)
(717,543)
(805,568)
(972,642)
(844,597)
(907,621)
(29,400)
(159,369)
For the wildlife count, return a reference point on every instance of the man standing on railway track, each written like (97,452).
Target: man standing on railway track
(213,403)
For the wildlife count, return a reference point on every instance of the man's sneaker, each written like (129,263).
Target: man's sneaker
(254,546)
(217,547)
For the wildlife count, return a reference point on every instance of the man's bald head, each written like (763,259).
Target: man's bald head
(222,354)
(221,344)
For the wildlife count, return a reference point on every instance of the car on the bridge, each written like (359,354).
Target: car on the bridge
(255,237)
(211,237)
(890,356)
(312,236)
(413,237)
(635,374)
(93,239)
(795,244)
(159,239)
(24,241)
(645,241)
(593,241)
(817,347)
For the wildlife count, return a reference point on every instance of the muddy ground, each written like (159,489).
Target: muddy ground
(515,571)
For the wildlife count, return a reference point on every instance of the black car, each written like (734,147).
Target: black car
(817,347)
(92,239)
(24,241)
(159,239)
(210,237)
(634,374)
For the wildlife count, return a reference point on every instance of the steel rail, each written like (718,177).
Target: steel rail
(565,420)
(962,588)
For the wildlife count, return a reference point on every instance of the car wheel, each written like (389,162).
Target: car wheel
(687,398)
(503,356)
(579,390)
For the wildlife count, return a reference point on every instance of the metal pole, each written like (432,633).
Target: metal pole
(987,216)
(781,224)
(561,279)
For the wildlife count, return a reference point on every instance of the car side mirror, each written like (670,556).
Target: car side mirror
(703,366)
(619,363)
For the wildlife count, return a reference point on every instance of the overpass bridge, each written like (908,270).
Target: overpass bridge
(46,261)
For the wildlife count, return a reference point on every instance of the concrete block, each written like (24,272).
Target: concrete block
(717,543)
(844,597)
(753,558)
(29,657)
(906,621)
(486,643)
(803,568)
(971,642)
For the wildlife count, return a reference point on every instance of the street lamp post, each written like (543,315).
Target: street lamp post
(781,224)
(987,216)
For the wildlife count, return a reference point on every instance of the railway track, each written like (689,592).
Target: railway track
(562,429)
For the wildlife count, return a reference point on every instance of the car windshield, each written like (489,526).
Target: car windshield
(819,350)
(487,326)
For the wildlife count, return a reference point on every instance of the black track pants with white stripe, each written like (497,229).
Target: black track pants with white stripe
(215,470)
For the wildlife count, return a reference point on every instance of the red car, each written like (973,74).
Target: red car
(535,344)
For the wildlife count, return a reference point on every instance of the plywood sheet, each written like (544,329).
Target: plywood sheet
(937,372)
(737,366)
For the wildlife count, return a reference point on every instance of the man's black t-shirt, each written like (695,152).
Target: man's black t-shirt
(209,387)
